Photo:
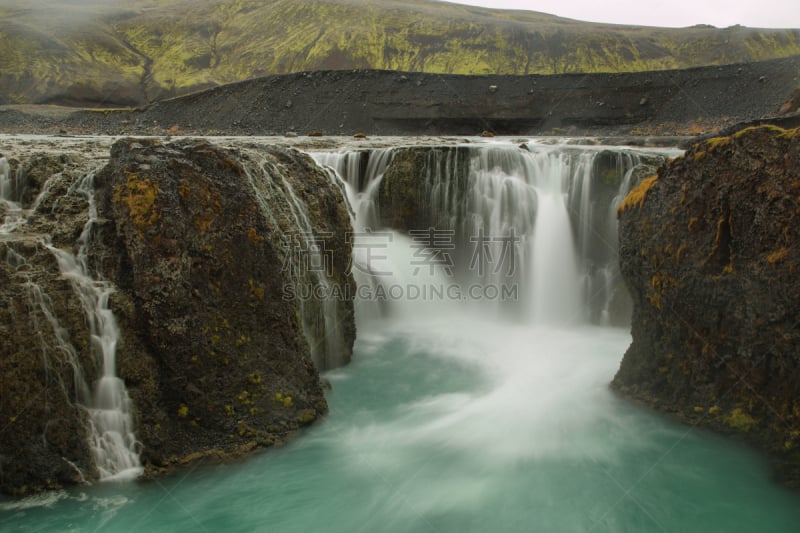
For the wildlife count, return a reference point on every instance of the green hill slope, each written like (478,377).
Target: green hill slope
(137,51)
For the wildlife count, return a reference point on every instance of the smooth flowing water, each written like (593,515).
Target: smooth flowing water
(112,438)
(113,441)
(450,426)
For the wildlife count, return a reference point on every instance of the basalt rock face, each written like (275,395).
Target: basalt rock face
(196,241)
(44,342)
(199,245)
(406,196)
(710,249)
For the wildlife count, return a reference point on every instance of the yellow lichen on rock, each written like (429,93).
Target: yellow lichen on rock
(140,196)
(638,195)
(739,419)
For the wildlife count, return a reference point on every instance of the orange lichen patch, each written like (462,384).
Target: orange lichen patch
(723,225)
(638,195)
(209,201)
(140,196)
(778,255)
(659,283)
(184,189)
(253,236)
(679,253)
(721,256)
(233,165)
(204,220)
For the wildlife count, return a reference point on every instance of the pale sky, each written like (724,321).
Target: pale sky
(674,13)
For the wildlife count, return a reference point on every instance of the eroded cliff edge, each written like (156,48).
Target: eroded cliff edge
(199,243)
(709,251)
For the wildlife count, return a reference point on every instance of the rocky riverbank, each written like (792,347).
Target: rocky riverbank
(191,240)
(709,251)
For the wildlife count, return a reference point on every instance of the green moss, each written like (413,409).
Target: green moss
(307,416)
(256,291)
(764,128)
(738,419)
(178,46)
(717,142)
(283,399)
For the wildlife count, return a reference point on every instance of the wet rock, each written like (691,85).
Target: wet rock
(44,437)
(204,261)
(405,196)
(216,358)
(710,253)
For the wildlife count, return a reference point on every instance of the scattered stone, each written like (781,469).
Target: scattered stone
(492,88)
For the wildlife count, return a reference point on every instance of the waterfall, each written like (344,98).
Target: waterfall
(10,194)
(113,442)
(5,180)
(538,218)
(12,184)
(304,256)
(109,408)
(360,174)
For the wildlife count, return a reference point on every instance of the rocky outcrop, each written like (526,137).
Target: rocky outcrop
(45,359)
(199,243)
(710,249)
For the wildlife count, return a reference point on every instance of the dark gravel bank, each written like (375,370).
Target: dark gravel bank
(691,101)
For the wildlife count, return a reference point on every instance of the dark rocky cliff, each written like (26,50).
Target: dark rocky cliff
(43,432)
(193,237)
(710,252)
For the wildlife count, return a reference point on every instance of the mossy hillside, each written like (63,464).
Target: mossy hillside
(141,50)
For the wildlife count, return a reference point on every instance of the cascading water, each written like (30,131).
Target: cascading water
(494,416)
(322,325)
(538,217)
(5,179)
(113,441)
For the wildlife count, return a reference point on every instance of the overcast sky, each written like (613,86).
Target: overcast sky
(675,13)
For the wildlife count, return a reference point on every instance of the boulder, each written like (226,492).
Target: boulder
(710,249)
(200,247)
